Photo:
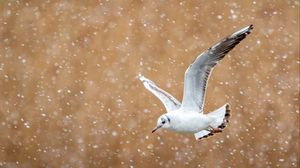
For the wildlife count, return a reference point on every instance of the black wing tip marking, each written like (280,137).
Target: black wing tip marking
(226,117)
(251,26)
(206,136)
(228,43)
(244,31)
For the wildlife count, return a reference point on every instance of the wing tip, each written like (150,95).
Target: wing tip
(246,30)
(143,79)
(250,28)
(140,77)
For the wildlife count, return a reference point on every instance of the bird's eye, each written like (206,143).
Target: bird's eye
(163,122)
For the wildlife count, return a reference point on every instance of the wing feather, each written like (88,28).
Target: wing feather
(167,99)
(197,75)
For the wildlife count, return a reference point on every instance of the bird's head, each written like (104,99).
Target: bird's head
(162,122)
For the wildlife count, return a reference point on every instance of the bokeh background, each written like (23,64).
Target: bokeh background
(69,96)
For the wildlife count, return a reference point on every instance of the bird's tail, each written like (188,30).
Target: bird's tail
(219,118)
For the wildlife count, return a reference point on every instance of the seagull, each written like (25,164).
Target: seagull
(188,116)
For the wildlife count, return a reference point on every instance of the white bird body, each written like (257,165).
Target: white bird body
(188,116)
(192,123)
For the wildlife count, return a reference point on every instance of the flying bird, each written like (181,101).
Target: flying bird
(188,116)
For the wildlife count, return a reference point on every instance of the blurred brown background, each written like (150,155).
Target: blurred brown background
(69,96)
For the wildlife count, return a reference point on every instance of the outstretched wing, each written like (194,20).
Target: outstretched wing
(196,76)
(168,100)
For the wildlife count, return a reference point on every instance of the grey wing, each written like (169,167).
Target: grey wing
(168,100)
(196,76)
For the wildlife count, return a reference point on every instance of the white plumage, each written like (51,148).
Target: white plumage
(189,116)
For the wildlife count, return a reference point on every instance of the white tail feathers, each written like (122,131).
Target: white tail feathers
(219,118)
